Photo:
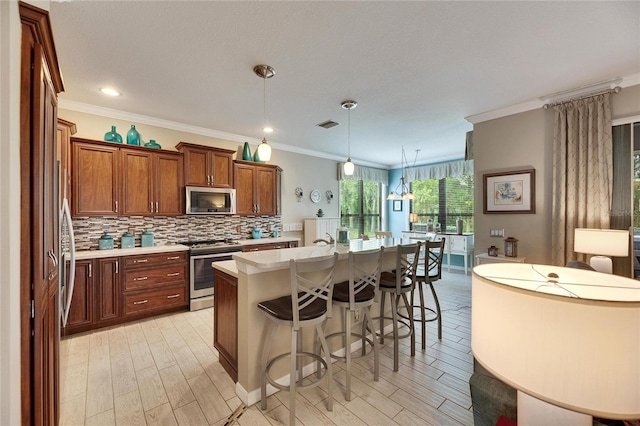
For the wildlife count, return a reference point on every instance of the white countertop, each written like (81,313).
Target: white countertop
(271,260)
(226,266)
(94,254)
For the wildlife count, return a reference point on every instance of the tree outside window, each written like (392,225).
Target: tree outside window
(360,206)
(444,201)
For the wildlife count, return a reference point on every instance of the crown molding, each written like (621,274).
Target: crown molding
(202,131)
(630,80)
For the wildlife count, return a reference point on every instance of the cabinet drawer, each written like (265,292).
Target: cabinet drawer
(154,259)
(151,277)
(266,246)
(155,299)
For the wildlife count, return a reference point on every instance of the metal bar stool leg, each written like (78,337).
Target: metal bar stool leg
(422,315)
(438,312)
(293,377)
(327,354)
(382,299)
(394,314)
(265,360)
(347,353)
(376,350)
(412,327)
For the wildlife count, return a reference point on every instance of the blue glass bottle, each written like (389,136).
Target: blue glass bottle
(246,152)
(113,136)
(152,144)
(133,137)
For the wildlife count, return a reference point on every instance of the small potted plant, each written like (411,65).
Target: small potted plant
(320,213)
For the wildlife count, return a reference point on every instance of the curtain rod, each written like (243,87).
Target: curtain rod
(616,89)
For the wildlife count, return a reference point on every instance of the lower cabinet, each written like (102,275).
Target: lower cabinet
(225,323)
(113,290)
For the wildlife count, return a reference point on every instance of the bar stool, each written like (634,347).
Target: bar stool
(428,273)
(312,283)
(397,284)
(360,292)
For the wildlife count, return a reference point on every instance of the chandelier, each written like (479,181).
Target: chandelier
(402,191)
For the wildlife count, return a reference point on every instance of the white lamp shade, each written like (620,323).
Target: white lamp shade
(580,353)
(349,167)
(264,151)
(605,242)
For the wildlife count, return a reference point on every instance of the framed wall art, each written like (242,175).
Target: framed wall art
(510,192)
(397,205)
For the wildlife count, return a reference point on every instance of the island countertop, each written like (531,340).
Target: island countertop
(273,260)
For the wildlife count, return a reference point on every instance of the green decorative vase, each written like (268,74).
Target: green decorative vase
(256,157)
(152,144)
(113,136)
(246,152)
(133,137)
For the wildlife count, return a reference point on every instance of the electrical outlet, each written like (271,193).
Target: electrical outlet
(298,226)
(496,232)
(286,227)
(356,315)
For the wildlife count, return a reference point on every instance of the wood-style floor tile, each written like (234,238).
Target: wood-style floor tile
(165,371)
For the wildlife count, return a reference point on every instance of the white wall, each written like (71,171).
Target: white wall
(522,141)
(10,42)
(298,170)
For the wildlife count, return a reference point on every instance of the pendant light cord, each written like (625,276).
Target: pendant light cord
(349,134)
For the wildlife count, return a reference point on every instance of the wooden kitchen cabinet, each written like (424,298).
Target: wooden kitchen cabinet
(96,295)
(65,130)
(95,179)
(257,189)
(207,166)
(225,323)
(111,180)
(151,183)
(155,283)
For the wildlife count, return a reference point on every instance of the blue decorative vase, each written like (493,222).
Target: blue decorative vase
(105,242)
(152,144)
(146,240)
(127,240)
(246,152)
(133,137)
(256,233)
(113,136)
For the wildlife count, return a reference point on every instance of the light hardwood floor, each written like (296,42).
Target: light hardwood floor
(165,371)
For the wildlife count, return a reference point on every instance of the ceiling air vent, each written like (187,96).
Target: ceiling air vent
(328,124)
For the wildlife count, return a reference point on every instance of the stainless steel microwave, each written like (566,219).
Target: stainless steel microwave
(202,200)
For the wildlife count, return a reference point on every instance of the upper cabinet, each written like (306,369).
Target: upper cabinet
(257,189)
(205,166)
(110,179)
(65,130)
(95,179)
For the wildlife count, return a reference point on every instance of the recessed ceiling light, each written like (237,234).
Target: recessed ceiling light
(109,92)
(267,129)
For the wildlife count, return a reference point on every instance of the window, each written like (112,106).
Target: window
(360,206)
(443,201)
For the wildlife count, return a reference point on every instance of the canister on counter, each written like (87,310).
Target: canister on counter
(146,240)
(105,242)
(127,240)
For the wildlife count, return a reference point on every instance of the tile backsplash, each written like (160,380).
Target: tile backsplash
(167,230)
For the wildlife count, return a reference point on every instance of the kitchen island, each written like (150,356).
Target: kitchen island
(264,275)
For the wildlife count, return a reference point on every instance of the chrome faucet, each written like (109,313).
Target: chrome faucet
(322,240)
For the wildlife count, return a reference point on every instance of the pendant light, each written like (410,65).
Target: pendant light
(264,72)
(402,191)
(349,167)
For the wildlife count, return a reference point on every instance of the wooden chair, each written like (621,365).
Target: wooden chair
(359,292)
(397,284)
(383,234)
(309,304)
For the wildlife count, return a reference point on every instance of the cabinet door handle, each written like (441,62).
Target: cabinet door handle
(175,274)
(150,206)
(116,267)
(140,261)
(90,270)
(254,249)
(140,278)
(140,302)
(173,257)
(257,208)
(157,209)
(116,207)
(208,179)
(173,296)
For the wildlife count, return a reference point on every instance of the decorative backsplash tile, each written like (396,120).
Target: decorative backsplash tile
(168,230)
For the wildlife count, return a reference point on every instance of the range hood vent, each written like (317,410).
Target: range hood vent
(328,124)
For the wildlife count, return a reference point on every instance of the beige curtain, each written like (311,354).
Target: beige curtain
(582,172)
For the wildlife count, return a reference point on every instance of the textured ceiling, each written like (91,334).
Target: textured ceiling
(416,69)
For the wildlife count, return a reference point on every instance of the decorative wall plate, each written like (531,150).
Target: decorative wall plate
(315,196)
(329,196)
(299,194)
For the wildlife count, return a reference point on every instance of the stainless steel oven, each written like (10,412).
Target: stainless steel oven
(201,280)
